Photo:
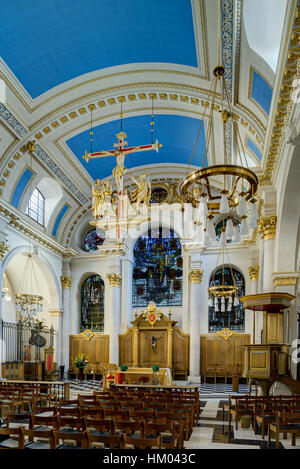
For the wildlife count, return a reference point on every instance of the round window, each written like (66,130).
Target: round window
(93,239)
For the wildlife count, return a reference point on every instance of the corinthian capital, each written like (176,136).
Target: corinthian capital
(66,281)
(114,280)
(253,272)
(3,249)
(195,276)
(267,227)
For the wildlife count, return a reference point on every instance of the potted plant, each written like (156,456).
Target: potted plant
(155,369)
(121,375)
(80,362)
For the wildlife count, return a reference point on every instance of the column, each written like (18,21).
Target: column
(267,230)
(114,301)
(135,347)
(169,353)
(56,317)
(3,249)
(253,323)
(195,277)
(66,283)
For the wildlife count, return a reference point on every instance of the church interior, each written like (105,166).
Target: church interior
(150,224)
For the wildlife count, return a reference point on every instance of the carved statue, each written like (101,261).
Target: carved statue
(119,170)
(97,198)
(101,201)
(141,195)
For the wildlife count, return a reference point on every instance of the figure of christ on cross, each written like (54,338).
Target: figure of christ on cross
(120,152)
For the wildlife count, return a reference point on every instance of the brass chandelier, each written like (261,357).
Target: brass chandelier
(226,189)
(28,298)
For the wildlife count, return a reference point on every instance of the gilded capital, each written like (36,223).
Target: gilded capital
(114,280)
(267,227)
(3,249)
(195,276)
(66,281)
(253,272)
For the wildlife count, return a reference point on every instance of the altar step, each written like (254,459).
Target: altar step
(206,389)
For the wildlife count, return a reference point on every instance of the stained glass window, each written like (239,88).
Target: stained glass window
(234,319)
(157,271)
(92,304)
(93,239)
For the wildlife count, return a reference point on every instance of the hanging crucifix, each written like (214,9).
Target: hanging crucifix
(119,153)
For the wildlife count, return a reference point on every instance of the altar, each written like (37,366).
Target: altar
(136,375)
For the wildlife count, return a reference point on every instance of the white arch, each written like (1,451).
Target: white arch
(44,265)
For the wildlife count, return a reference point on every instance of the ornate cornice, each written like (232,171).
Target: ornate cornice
(66,281)
(267,227)
(114,280)
(195,276)
(253,272)
(285,97)
(3,249)
(285,278)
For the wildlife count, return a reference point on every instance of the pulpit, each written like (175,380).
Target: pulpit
(267,361)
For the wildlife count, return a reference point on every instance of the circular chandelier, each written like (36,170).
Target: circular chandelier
(223,294)
(28,300)
(223,191)
(226,189)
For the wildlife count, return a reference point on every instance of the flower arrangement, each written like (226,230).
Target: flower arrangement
(81,361)
(155,368)
(123,367)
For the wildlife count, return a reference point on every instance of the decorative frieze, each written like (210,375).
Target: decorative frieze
(66,281)
(253,272)
(195,276)
(267,227)
(114,280)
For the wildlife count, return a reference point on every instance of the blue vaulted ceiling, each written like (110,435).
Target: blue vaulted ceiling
(48,42)
(177,134)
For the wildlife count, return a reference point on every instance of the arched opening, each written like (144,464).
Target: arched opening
(92,304)
(36,207)
(235,318)
(157,270)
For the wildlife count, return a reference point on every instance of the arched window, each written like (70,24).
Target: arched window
(157,271)
(234,319)
(92,304)
(36,207)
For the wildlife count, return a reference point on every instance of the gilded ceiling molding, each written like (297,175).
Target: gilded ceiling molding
(119,89)
(114,280)
(285,96)
(267,227)
(66,281)
(253,272)
(195,276)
